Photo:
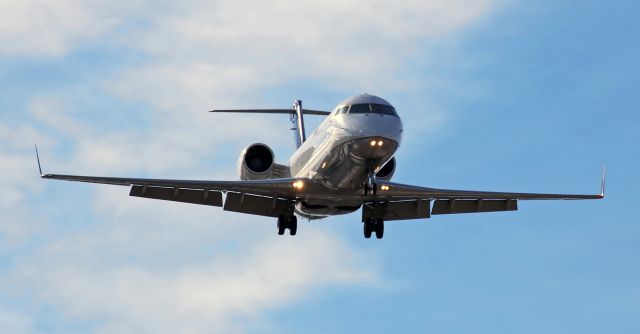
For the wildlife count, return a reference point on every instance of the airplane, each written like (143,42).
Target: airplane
(346,164)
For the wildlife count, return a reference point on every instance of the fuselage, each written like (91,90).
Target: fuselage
(359,136)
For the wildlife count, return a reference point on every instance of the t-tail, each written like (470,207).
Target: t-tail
(296,114)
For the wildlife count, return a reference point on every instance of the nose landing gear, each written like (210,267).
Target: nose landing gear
(370,186)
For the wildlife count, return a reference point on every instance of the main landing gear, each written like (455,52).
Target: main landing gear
(373,225)
(287,222)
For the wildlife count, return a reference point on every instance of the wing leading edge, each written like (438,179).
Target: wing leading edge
(399,191)
(274,187)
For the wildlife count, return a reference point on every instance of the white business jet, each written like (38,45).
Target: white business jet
(345,165)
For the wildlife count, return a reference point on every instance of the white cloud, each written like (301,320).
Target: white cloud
(225,54)
(50,28)
(206,294)
(18,180)
(344,44)
(152,266)
(12,322)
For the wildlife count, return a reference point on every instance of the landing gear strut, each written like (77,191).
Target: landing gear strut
(287,222)
(370,186)
(373,225)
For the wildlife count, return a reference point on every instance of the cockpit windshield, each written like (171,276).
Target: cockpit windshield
(367,108)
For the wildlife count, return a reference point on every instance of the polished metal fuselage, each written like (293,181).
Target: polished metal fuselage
(339,155)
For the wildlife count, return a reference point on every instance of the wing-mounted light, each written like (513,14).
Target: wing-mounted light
(298,185)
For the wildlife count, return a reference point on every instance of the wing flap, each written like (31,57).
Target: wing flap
(256,205)
(203,197)
(396,210)
(450,206)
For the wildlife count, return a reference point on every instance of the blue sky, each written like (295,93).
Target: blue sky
(494,95)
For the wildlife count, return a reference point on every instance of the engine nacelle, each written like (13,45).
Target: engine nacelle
(256,162)
(386,172)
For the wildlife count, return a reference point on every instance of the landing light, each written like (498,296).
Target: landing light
(379,142)
(373,143)
(385,188)
(298,185)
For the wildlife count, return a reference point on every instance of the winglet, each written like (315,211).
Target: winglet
(603,183)
(38,158)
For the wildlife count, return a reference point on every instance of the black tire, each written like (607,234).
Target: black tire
(293,225)
(368,228)
(281,225)
(379,227)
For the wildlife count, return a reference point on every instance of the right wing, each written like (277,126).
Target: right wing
(272,197)
(272,187)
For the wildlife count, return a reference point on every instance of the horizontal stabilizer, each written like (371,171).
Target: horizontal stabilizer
(274,111)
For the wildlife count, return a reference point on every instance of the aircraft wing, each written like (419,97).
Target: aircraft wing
(259,197)
(401,201)
(403,191)
(273,187)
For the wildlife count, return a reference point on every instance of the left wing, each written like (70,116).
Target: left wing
(395,201)
(399,191)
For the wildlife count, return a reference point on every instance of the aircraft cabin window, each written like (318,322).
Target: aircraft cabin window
(373,108)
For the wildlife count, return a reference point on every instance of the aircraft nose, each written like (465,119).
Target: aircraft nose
(384,126)
(371,125)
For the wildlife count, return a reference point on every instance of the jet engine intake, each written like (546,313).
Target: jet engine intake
(256,162)
(386,172)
